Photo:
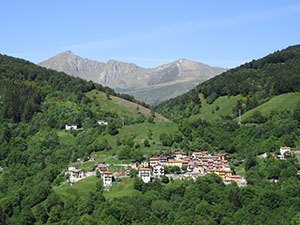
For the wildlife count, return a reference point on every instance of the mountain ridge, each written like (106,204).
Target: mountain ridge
(129,76)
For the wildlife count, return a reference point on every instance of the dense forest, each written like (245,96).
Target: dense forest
(258,80)
(36,103)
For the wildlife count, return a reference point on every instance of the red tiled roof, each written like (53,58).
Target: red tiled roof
(107,172)
(154,159)
(175,161)
(145,169)
(76,170)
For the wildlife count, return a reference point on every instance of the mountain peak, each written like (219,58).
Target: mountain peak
(68,52)
(152,85)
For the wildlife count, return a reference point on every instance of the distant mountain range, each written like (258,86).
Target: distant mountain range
(152,86)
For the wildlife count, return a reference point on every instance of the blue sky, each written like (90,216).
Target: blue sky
(149,33)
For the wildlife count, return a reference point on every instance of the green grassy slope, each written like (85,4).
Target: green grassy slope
(142,132)
(65,138)
(80,188)
(83,187)
(121,190)
(121,106)
(282,102)
(227,103)
(209,112)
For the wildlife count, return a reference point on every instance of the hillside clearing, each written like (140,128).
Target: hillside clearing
(221,107)
(279,103)
(122,106)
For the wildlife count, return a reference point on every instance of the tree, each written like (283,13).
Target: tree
(87,220)
(2,216)
(55,214)
(160,208)
(146,143)
(289,140)
(133,173)
(99,186)
(250,162)
(257,117)
(150,119)
(26,217)
(138,184)
(296,219)
(296,114)
(41,214)
(165,179)
(112,129)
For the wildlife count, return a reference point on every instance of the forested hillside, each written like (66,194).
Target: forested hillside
(35,149)
(258,81)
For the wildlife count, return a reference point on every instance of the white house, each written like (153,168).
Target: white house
(179,155)
(107,179)
(77,175)
(101,168)
(145,174)
(102,122)
(284,150)
(241,181)
(145,164)
(70,127)
(163,160)
(154,161)
(158,171)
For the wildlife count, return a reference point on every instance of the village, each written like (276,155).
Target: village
(178,165)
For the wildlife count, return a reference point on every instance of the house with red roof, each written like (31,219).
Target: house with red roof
(107,179)
(145,174)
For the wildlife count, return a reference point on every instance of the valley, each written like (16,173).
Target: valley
(40,157)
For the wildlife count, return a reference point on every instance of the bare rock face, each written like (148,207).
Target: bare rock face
(149,85)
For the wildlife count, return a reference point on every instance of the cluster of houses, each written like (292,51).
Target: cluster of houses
(76,175)
(193,166)
(188,166)
(75,126)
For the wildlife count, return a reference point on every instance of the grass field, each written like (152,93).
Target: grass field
(240,170)
(80,188)
(66,138)
(122,106)
(83,187)
(140,132)
(281,102)
(121,190)
(225,104)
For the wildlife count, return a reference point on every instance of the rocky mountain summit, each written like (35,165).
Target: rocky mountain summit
(152,86)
